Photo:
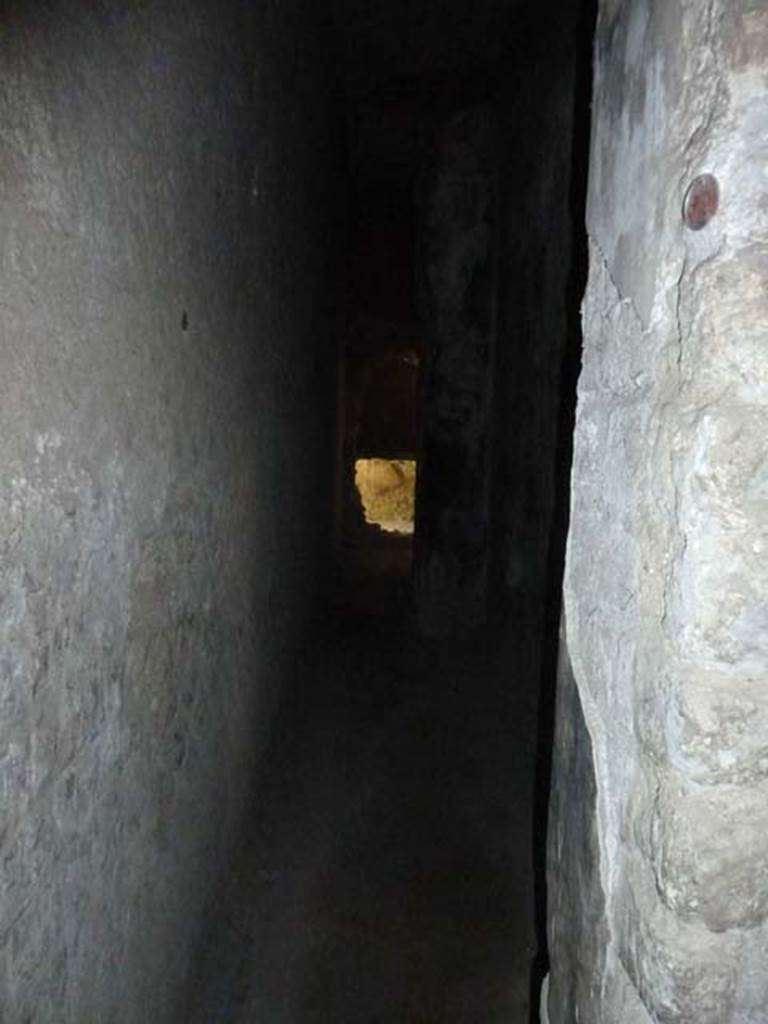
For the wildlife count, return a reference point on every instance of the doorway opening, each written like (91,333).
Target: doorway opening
(382,400)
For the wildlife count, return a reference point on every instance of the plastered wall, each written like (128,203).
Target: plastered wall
(658,864)
(167,184)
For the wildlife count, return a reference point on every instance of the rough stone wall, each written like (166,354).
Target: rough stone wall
(665,587)
(164,348)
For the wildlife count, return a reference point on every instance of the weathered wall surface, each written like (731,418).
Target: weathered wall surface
(495,309)
(536,112)
(165,346)
(665,588)
(459,253)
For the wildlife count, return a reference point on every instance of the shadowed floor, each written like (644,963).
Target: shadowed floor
(386,876)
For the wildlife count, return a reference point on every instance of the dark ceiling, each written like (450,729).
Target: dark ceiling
(384,40)
(406,67)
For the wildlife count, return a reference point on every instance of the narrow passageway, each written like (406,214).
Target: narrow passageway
(275,273)
(391,868)
(323,323)
(386,875)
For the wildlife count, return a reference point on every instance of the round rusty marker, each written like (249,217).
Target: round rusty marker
(702,199)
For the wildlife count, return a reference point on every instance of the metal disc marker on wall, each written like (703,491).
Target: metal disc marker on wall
(701,202)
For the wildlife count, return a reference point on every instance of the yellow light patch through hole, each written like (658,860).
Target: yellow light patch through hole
(387,489)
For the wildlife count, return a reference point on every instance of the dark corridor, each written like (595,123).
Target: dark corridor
(289,336)
(308,712)
(393,866)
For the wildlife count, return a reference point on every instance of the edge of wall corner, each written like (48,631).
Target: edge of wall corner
(544,1001)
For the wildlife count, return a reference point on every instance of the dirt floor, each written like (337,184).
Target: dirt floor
(386,877)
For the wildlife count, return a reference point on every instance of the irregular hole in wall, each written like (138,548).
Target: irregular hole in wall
(387,488)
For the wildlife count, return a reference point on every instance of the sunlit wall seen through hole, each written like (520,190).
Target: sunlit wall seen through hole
(387,489)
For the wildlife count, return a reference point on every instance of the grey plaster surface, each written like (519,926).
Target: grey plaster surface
(159,387)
